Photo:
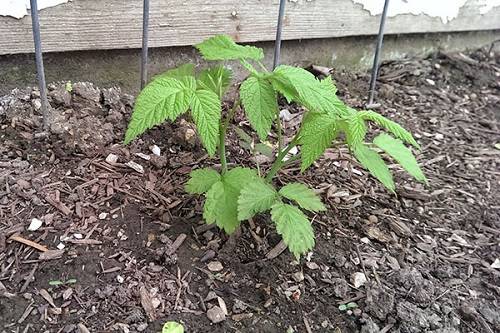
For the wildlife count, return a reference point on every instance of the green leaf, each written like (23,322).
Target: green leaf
(294,227)
(375,164)
(316,135)
(221,204)
(260,103)
(55,283)
(301,86)
(355,131)
(264,149)
(178,73)
(164,98)
(303,196)
(328,84)
(255,197)
(397,150)
(397,130)
(243,135)
(206,111)
(222,47)
(172,327)
(216,79)
(201,180)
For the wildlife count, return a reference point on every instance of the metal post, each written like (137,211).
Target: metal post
(380,40)
(39,63)
(145,33)
(279,29)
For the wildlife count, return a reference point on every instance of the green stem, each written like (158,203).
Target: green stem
(279,130)
(222,136)
(262,66)
(278,163)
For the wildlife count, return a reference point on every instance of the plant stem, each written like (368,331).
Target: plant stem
(222,136)
(279,130)
(278,163)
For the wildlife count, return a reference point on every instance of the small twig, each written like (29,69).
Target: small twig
(25,241)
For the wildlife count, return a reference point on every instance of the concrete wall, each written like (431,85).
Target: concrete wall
(121,67)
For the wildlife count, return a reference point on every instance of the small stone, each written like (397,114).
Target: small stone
(61,246)
(496,264)
(35,224)
(298,276)
(431,82)
(358,279)
(215,266)
(102,216)
(216,315)
(312,265)
(120,279)
(439,136)
(112,158)
(78,236)
(373,219)
(155,150)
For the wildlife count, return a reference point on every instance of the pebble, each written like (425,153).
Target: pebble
(216,315)
(35,224)
(112,158)
(215,266)
(61,246)
(156,150)
(439,136)
(358,279)
(102,216)
(312,265)
(298,276)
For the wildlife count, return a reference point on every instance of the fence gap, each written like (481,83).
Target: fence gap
(145,37)
(279,29)
(40,72)
(376,59)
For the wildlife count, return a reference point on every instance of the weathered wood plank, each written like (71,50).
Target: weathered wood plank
(116,24)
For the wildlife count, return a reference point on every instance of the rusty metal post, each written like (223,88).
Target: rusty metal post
(145,34)
(40,72)
(376,59)
(279,29)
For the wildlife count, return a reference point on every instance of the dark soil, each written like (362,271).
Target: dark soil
(134,252)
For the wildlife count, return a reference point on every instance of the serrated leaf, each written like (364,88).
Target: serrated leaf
(201,180)
(178,73)
(375,164)
(303,196)
(172,327)
(355,131)
(294,227)
(397,150)
(328,84)
(397,130)
(316,135)
(222,47)
(255,197)
(221,204)
(162,99)
(216,79)
(260,102)
(301,86)
(206,111)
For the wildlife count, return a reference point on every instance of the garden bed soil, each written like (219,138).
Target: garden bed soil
(122,247)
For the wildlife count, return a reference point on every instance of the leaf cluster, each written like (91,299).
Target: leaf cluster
(235,195)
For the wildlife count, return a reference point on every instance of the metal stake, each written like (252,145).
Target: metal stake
(39,63)
(145,33)
(380,40)
(279,29)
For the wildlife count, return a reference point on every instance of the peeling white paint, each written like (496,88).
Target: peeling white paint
(20,8)
(446,10)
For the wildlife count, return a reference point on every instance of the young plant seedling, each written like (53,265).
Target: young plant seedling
(235,195)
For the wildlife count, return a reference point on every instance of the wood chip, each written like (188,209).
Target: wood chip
(45,294)
(147,304)
(59,205)
(277,250)
(51,255)
(25,241)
